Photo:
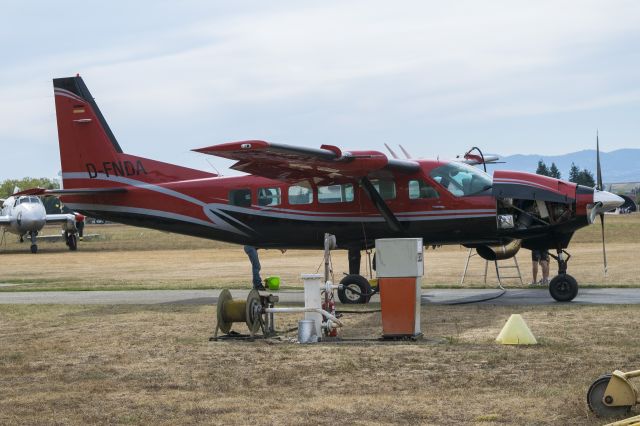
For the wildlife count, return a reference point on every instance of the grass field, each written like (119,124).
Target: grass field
(154,365)
(136,258)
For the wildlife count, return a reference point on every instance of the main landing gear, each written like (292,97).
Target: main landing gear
(71,240)
(563,287)
(355,288)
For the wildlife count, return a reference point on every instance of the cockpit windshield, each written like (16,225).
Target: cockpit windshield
(27,200)
(461,179)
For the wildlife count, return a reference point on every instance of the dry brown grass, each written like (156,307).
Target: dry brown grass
(128,257)
(154,365)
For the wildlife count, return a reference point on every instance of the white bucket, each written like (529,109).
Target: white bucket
(307,331)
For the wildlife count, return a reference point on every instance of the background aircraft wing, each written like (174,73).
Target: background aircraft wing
(326,165)
(5,220)
(60,218)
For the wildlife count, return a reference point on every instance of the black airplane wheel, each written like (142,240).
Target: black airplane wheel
(72,242)
(563,288)
(34,248)
(355,290)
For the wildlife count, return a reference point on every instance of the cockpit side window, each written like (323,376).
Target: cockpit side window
(460,179)
(419,189)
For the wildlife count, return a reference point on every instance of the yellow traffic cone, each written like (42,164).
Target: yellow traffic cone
(516,332)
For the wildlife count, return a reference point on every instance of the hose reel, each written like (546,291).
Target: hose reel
(250,311)
(613,395)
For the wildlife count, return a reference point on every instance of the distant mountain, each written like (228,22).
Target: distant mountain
(622,165)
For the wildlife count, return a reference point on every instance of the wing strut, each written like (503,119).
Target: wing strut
(382,207)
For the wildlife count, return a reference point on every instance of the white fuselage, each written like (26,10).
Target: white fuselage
(25,213)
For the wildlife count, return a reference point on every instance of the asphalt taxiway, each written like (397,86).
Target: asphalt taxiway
(532,296)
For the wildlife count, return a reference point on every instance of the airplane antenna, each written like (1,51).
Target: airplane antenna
(393,154)
(213,167)
(404,151)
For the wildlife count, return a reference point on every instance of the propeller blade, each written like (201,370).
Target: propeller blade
(598,169)
(604,251)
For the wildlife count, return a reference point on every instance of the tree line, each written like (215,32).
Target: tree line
(581,177)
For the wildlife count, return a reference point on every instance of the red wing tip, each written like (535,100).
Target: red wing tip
(233,146)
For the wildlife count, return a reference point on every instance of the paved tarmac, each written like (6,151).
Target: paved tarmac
(534,296)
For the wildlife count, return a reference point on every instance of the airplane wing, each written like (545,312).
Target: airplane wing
(5,220)
(325,165)
(76,191)
(60,218)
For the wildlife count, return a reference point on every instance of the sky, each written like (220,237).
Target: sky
(437,77)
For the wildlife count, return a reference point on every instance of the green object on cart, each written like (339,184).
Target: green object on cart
(273,283)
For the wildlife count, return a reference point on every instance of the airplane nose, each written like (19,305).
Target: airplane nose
(31,220)
(606,200)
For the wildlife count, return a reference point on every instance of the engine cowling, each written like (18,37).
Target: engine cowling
(499,252)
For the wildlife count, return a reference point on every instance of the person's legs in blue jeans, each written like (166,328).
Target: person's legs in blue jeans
(252,253)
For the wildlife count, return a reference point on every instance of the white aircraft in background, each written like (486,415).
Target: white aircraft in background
(25,215)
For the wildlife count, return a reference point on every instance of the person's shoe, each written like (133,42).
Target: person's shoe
(533,284)
(544,281)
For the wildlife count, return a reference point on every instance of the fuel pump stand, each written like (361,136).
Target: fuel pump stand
(399,267)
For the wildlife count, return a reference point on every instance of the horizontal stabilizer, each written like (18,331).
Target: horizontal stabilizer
(76,191)
(472,159)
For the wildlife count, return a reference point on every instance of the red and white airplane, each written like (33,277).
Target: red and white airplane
(293,195)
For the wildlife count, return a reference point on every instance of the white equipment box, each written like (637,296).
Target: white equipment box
(399,257)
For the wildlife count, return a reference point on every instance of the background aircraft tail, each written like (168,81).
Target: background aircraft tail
(89,149)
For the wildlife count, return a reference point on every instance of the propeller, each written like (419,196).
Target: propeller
(599,188)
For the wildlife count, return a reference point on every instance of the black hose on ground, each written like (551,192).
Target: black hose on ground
(468,302)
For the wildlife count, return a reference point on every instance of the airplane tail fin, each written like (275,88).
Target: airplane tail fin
(89,149)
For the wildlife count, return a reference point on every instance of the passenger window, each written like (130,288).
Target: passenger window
(419,189)
(385,187)
(335,193)
(300,194)
(268,196)
(240,197)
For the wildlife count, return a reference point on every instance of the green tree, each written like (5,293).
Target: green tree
(542,169)
(573,173)
(554,172)
(585,177)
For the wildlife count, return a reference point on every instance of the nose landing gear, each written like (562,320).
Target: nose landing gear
(563,287)
(34,246)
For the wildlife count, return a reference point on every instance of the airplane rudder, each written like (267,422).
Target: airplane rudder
(83,133)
